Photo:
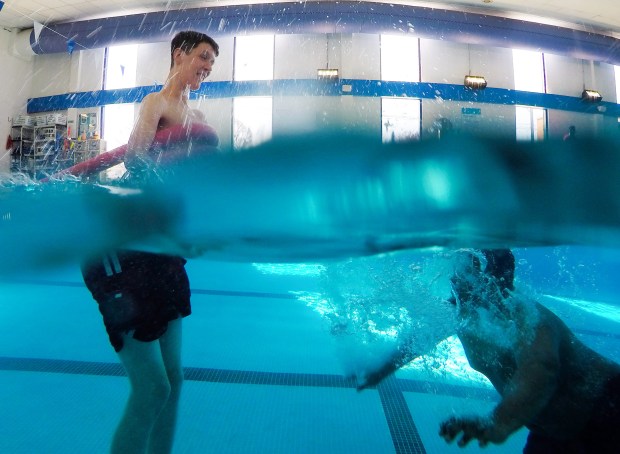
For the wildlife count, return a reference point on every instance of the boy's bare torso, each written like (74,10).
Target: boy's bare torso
(580,378)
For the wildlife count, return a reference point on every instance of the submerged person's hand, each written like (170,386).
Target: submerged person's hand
(374,377)
(480,428)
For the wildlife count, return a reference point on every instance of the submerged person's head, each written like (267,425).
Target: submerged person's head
(473,286)
(193,54)
(466,277)
(501,266)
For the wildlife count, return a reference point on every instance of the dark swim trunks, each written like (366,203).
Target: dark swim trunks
(139,292)
(601,434)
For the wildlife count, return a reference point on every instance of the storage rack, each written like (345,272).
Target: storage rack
(23,140)
(46,155)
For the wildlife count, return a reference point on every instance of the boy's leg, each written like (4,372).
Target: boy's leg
(162,437)
(149,393)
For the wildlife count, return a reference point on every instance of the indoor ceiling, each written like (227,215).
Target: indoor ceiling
(601,16)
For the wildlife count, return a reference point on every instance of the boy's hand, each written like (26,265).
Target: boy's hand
(473,427)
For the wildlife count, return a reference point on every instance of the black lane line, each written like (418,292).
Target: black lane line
(405,435)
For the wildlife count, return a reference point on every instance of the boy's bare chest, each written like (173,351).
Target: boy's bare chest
(178,114)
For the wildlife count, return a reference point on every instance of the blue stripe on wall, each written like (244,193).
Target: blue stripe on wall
(312,87)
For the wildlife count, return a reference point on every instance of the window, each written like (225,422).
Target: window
(531,123)
(254,57)
(617,70)
(400,118)
(251,121)
(529,70)
(120,68)
(118,119)
(252,115)
(400,59)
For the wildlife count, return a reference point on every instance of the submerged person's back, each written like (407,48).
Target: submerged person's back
(565,393)
(577,374)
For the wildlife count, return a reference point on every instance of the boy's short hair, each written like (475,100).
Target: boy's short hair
(501,266)
(187,40)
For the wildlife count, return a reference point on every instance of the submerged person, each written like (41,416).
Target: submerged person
(144,296)
(567,395)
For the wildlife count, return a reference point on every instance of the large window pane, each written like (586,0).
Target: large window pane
(118,120)
(251,121)
(254,57)
(400,58)
(529,70)
(400,119)
(120,70)
(617,69)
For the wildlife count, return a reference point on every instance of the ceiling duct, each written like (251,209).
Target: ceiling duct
(328,17)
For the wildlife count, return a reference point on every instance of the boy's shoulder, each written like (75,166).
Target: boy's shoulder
(152,98)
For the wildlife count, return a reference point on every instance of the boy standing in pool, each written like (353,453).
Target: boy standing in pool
(143,296)
(567,395)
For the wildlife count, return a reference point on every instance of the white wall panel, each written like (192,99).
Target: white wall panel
(568,76)
(448,62)
(493,121)
(361,58)
(15,89)
(299,56)
(153,64)
(443,62)
(52,74)
(297,114)
(87,70)
(223,68)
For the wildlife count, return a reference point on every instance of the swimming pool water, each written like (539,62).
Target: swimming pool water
(263,373)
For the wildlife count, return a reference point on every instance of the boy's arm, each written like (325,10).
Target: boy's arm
(397,359)
(412,347)
(525,395)
(533,383)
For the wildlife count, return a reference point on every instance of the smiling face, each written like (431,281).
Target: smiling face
(194,67)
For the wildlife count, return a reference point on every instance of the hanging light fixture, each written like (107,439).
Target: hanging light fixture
(327,73)
(591,96)
(473,82)
(588,95)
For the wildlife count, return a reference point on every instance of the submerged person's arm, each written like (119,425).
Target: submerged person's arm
(412,347)
(402,355)
(533,384)
(523,398)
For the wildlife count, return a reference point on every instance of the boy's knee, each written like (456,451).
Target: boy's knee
(156,392)
(175,379)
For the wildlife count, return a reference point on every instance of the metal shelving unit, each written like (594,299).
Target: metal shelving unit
(47,145)
(23,140)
